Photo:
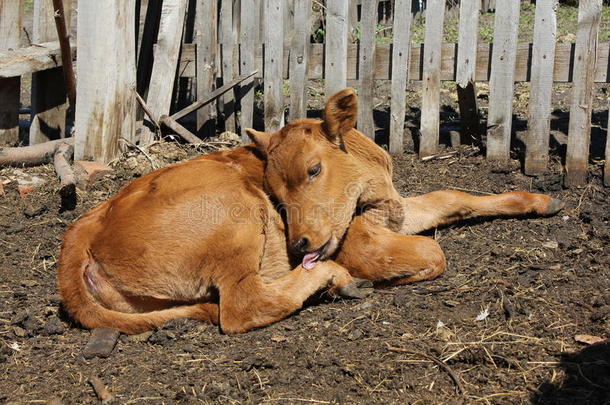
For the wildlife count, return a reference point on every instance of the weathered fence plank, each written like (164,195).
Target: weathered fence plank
(227,48)
(368,23)
(401,52)
(249,39)
(562,72)
(49,105)
(466,67)
(167,52)
(581,107)
(11,13)
(106,61)
(501,86)
(206,26)
(543,57)
(607,157)
(299,59)
(336,47)
(274,57)
(149,37)
(430,113)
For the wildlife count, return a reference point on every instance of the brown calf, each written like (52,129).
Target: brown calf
(324,171)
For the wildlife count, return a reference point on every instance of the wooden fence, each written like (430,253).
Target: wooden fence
(215,42)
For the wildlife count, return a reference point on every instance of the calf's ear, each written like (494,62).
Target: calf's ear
(340,114)
(260,139)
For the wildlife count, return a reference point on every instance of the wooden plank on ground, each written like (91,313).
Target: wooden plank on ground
(541,90)
(166,57)
(274,57)
(106,61)
(430,112)
(368,23)
(581,107)
(206,25)
(336,47)
(466,67)
(299,58)
(249,41)
(11,13)
(49,105)
(501,86)
(401,52)
(227,48)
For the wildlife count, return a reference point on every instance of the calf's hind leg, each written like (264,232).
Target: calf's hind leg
(373,252)
(447,206)
(247,302)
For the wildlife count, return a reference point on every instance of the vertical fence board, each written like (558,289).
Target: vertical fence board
(167,52)
(543,61)
(206,26)
(274,59)
(579,130)
(401,52)
(49,106)
(466,67)
(11,12)
(249,39)
(501,86)
(227,46)
(368,23)
(106,61)
(336,47)
(430,114)
(607,157)
(299,58)
(149,37)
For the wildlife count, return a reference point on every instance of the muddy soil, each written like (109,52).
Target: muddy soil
(537,282)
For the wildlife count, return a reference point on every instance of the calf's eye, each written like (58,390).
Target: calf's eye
(314,170)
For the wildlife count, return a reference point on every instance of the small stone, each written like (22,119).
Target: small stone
(88,173)
(160,337)
(101,343)
(19,332)
(365,306)
(355,334)
(53,326)
(32,211)
(550,245)
(29,283)
(142,337)
(278,338)
(188,348)
(401,300)
(19,317)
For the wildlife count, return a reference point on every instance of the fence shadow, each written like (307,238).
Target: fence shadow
(586,381)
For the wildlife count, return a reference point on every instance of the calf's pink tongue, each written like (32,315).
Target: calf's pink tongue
(309,260)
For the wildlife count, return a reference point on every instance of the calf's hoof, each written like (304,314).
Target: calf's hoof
(357,289)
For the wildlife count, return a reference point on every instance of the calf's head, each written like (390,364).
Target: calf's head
(313,177)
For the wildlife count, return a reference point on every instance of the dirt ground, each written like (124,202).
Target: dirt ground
(541,280)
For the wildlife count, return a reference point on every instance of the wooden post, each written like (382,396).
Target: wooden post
(274,58)
(430,112)
(149,37)
(543,63)
(607,157)
(161,87)
(501,86)
(336,47)
(466,67)
(401,53)
(11,13)
(368,23)
(299,58)
(247,49)
(49,104)
(206,25)
(581,107)
(227,44)
(105,110)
